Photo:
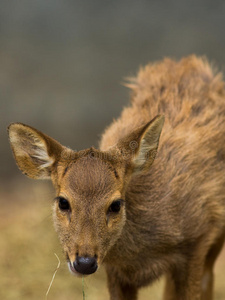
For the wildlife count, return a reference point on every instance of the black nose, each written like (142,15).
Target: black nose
(85,265)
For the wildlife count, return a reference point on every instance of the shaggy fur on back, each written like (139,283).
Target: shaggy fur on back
(184,190)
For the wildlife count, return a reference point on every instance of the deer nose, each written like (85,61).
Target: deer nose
(85,265)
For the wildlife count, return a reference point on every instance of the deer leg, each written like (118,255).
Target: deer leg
(122,292)
(169,290)
(193,280)
(186,286)
(208,278)
(184,281)
(118,289)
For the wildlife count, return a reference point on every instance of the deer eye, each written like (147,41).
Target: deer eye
(115,206)
(63,204)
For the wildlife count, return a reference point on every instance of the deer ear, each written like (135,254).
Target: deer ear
(148,144)
(34,152)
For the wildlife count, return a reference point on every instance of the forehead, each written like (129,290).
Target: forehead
(89,177)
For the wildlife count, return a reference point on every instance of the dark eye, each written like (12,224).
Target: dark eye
(115,206)
(63,204)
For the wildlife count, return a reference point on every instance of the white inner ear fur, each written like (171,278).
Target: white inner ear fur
(42,155)
(26,149)
(145,148)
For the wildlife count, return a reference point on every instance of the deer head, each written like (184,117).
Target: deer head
(90,206)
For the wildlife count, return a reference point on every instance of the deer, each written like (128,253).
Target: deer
(150,201)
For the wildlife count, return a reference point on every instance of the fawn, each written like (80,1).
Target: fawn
(114,206)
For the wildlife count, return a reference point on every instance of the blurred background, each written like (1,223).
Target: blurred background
(62,65)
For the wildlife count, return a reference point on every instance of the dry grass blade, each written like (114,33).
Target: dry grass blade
(83,288)
(53,277)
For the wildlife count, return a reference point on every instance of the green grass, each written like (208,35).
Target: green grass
(28,243)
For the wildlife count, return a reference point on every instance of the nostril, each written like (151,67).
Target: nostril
(85,265)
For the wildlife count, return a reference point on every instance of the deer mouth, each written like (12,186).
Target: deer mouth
(72,269)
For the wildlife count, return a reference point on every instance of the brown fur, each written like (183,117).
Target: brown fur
(172,220)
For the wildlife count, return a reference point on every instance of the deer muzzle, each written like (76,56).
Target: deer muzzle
(84,265)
